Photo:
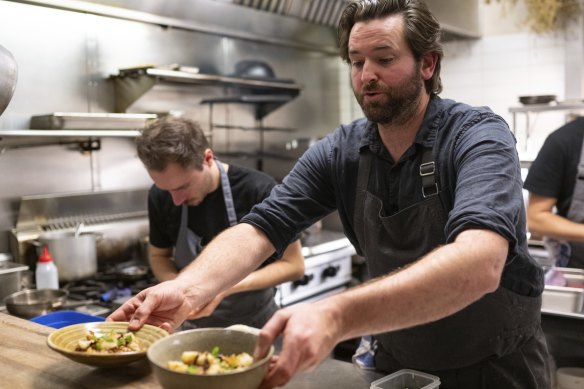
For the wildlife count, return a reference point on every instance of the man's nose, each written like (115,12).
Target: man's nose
(177,198)
(369,72)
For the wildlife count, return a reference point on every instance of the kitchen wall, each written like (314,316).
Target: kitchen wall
(65,59)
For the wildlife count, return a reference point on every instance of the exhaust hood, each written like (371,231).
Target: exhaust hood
(458,18)
(303,24)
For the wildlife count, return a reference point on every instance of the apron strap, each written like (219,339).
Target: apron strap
(365,161)
(227,196)
(428,174)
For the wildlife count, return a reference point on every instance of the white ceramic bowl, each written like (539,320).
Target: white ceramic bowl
(570,378)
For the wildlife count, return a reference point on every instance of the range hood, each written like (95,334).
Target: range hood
(458,18)
(303,24)
(323,12)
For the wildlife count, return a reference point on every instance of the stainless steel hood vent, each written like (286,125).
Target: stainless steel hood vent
(458,18)
(323,12)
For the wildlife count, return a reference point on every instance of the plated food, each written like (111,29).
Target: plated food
(205,362)
(70,342)
(109,342)
(216,341)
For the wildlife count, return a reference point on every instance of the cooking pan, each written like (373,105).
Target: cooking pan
(35,302)
(131,272)
(8,76)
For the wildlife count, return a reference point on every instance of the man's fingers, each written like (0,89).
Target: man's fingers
(143,311)
(123,313)
(269,333)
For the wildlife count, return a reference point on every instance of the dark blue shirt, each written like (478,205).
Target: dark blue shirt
(476,160)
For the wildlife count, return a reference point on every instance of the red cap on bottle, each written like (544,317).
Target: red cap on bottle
(45,256)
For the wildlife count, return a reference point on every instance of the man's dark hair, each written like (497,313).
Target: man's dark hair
(172,140)
(421,29)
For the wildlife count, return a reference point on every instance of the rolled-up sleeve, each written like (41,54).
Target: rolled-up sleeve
(305,196)
(488,180)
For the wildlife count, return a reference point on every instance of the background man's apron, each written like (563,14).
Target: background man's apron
(571,253)
(495,342)
(252,308)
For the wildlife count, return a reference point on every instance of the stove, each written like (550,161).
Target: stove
(328,268)
(107,290)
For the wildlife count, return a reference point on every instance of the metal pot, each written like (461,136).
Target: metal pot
(8,76)
(35,302)
(74,256)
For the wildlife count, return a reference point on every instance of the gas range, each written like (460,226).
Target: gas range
(327,268)
(105,292)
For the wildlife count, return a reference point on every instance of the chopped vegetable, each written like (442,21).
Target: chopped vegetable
(110,342)
(197,362)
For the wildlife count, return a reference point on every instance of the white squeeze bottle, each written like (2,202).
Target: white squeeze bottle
(47,276)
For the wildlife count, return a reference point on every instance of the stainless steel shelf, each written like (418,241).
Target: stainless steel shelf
(537,108)
(131,84)
(200,78)
(86,139)
(68,133)
(548,107)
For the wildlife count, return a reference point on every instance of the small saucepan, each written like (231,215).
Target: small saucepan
(131,272)
(35,302)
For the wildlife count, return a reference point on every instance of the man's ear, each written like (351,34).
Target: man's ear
(208,157)
(429,65)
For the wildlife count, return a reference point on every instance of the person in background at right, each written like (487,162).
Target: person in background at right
(556,194)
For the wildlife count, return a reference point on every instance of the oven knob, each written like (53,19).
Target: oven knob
(330,271)
(305,280)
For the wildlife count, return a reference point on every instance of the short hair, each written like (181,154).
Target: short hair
(422,30)
(172,140)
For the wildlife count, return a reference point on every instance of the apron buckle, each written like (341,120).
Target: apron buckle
(432,190)
(427,169)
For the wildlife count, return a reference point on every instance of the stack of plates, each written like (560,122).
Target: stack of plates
(541,99)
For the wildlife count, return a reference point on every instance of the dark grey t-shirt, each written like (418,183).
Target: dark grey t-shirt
(476,159)
(553,172)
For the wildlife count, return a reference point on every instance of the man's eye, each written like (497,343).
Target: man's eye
(357,64)
(385,61)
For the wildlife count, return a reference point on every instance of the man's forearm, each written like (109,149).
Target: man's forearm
(556,226)
(226,260)
(440,284)
(163,267)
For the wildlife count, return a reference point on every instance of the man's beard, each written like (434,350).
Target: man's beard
(399,104)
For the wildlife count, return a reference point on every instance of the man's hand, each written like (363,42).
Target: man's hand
(164,305)
(310,333)
(208,309)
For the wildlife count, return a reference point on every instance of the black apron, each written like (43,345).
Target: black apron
(252,308)
(494,343)
(571,254)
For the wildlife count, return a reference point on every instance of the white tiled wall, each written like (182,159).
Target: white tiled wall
(496,70)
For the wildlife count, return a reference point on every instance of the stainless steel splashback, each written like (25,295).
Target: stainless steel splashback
(58,211)
(120,217)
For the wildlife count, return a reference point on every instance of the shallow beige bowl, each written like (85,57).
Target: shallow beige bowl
(229,341)
(65,340)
